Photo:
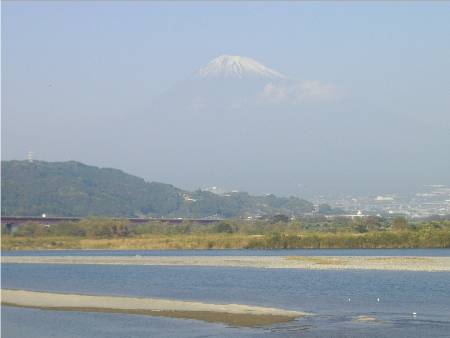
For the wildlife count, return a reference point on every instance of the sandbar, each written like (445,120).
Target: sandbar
(393,263)
(230,314)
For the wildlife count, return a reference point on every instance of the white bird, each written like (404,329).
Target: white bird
(349,300)
(378,300)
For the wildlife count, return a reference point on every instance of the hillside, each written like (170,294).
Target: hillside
(75,189)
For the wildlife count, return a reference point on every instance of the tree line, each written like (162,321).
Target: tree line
(273,233)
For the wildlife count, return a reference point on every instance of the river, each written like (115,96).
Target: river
(335,298)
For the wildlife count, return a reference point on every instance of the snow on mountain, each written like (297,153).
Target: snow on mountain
(238,67)
(238,83)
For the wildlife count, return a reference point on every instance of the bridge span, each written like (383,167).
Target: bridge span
(17,220)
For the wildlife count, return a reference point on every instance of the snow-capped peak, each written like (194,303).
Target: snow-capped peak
(229,66)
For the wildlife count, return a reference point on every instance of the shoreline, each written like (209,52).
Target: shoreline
(229,314)
(387,263)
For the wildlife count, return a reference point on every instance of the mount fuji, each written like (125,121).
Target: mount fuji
(238,123)
(238,67)
(230,83)
(240,119)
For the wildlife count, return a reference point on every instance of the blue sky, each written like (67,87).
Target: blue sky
(168,40)
(83,64)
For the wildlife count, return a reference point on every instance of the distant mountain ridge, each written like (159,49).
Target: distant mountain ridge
(79,190)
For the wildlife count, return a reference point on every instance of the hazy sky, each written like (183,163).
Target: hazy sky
(79,79)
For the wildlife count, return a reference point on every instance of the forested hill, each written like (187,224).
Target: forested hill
(75,189)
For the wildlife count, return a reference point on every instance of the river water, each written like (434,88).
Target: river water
(334,297)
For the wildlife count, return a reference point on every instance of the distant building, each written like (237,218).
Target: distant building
(384,198)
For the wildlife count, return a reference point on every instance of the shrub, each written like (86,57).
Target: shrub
(223,227)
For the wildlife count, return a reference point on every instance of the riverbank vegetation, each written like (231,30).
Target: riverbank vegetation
(275,233)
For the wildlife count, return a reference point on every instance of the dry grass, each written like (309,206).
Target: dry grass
(204,241)
(439,238)
(39,243)
(145,242)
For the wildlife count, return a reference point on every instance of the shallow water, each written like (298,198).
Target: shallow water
(325,293)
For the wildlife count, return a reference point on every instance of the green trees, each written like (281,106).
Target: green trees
(104,228)
(78,190)
(359,226)
(32,230)
(224,227)
(90,228)
(280,218)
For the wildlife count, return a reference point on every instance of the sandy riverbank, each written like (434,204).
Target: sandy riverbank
(231,314)
(397,263)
